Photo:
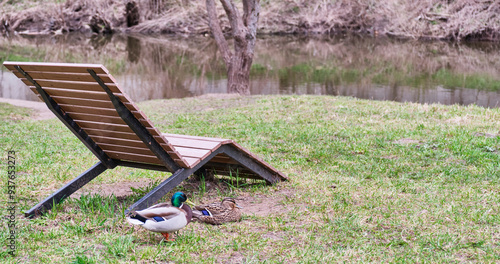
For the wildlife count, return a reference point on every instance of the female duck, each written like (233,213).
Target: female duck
(164,218)
(218,213)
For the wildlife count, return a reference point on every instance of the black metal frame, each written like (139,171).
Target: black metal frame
(179,174)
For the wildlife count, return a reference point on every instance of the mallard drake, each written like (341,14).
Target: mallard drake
(218,213)
(164,218)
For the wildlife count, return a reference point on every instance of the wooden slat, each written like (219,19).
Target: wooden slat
(195,137)
(56,67)
(124,139)
(79,86)
(108,133)
(162,140)
(191,161)
(123,128)
(152,129)
(83,102)
(111,112)
(193,153)
(78,94)
(85,108)
(89,110)
(130,143)
(97,118)
(171,151)
(167,146)
(189,143)
(194,146)
(97,111)
(79,77)
(125,149)
(103,126)
(118,141)
(134,157)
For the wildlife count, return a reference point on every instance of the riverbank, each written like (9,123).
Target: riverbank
(438,19)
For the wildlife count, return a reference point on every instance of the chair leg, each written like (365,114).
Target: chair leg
(66,190)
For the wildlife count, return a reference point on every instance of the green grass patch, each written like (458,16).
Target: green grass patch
(369,182)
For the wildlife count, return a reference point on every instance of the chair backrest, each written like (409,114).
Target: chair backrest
(80,96)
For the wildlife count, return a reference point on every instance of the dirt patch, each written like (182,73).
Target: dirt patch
(119,189)
(41,112)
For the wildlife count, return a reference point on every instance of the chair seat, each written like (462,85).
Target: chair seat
(193,148)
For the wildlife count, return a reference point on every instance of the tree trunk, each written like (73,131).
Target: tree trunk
(238,72)
(244,31)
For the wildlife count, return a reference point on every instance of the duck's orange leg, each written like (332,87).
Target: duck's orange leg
(165,235)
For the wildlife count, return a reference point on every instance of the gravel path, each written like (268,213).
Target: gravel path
(41,110)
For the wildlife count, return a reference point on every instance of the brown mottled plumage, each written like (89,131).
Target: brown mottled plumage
(218,213)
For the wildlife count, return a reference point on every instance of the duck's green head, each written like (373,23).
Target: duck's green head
(178,198)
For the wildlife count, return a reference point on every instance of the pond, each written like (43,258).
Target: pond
(155,67)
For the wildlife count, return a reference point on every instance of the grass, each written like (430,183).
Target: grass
(369,182)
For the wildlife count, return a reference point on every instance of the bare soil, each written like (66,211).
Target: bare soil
(118,189)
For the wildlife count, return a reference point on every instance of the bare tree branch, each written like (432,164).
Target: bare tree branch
(239,30)
(252,12)
(217,32)
(247,7)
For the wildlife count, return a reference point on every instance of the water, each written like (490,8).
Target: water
(173,67)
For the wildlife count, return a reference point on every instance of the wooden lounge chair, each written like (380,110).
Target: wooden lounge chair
(88,100)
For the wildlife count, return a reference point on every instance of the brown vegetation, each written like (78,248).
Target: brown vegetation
(431,19)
